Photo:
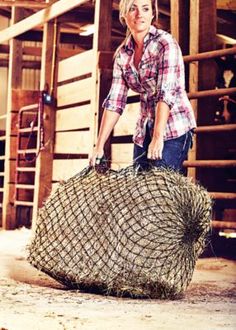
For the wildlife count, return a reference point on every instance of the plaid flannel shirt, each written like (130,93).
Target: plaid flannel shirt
(160,77)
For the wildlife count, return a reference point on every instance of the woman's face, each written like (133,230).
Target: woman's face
(140,15)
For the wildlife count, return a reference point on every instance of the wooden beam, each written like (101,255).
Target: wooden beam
(102,78)
(36,65)
(37,51)
(226,4)
(65,38)
(14,81)
(23,4)
(180,14)
(44,163)
(39,18)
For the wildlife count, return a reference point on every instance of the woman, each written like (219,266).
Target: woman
(149,62)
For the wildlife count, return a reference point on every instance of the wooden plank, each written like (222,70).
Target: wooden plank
(75,92)
(66,168)
(226,4)
(121,155)
(127,122)
(37,51)
(73,142)
(56,9)
(73,118)
(75,66)
(101,78)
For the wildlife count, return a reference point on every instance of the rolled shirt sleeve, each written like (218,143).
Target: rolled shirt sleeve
(170,81)
(117,96)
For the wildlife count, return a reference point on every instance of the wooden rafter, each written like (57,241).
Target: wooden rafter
(24,4)
(39,18)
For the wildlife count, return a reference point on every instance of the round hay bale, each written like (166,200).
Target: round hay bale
(123,233)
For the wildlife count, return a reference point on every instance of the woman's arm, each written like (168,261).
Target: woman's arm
(161,117)
(109,120)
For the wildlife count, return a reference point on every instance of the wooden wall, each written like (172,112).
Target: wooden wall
(121,143)
(74,116)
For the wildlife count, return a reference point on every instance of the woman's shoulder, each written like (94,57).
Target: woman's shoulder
(164,37)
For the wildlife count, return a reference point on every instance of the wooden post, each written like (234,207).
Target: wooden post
(180,23)
(102,77)
(206,147)
(43,176)
(193,70)
(14,82)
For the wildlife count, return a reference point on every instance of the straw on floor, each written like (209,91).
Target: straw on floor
(123,233)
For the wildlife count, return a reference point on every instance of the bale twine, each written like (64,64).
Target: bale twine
(123,233)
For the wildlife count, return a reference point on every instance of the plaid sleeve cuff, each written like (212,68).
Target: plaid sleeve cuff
(107,104)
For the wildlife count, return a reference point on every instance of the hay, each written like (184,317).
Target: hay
(123,233)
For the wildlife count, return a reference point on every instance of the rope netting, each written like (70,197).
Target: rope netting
(123,232)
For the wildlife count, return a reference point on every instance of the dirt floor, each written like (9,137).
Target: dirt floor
(30,300)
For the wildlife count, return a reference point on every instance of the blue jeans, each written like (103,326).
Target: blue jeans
(174,153)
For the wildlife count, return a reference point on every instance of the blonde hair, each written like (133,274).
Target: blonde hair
(124,8)
(125,5)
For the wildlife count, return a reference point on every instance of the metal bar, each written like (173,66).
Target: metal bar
(209,55)
(23,203)
(28,129)
(224,224)
(223,195)
(27,151)
(215,128)
(25,169)
(210,163)
(25,186)
(212,92)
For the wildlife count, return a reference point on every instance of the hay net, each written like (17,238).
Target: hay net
(123,232)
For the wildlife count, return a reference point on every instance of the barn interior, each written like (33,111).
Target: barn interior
(56,60)
(56,68)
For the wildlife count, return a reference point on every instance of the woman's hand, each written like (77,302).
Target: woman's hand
(155,148)
(96,157)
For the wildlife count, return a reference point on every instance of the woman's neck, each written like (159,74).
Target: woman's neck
(139,39)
